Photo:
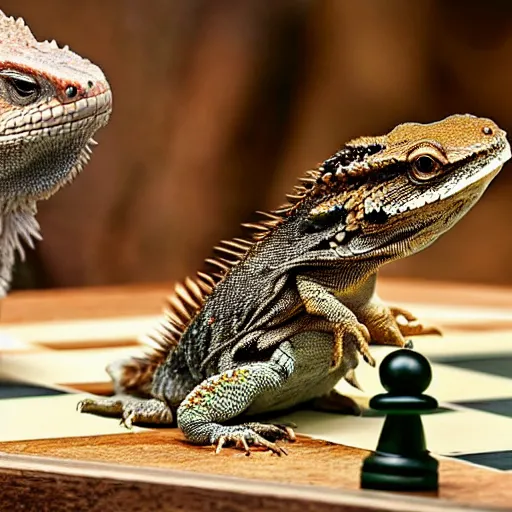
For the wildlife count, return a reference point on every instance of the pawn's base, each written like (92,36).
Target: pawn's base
(389,472)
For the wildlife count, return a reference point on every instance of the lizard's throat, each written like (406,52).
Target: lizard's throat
(40,167)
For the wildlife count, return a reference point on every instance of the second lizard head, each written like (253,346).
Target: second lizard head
(52,102)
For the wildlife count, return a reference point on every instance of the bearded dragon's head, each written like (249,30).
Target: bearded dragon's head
(395,194)
(52,101)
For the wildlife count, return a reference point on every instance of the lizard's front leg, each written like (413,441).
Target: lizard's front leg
(387,324)
(379,320)
(227,395)
(320,301)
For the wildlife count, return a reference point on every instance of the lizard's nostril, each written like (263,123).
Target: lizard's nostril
(90,83)
(487,130)
(71,91)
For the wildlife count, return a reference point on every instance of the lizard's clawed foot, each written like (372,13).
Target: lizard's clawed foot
(255,434)
(409,325)
(131,411)
(358,335)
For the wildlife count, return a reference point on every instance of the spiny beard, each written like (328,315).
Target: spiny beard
(15,228)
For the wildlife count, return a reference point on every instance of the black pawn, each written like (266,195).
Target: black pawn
(402,461)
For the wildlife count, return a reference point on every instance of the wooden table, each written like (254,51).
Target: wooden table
(159,470)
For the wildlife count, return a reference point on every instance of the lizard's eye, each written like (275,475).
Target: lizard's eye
(426,163)
(23,89)
(425,166)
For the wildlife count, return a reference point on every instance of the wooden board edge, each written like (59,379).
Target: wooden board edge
(72,485)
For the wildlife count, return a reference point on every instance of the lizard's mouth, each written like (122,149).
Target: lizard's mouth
(355,243)
(383,240)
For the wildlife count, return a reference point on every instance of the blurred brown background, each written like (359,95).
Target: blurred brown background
(220,105)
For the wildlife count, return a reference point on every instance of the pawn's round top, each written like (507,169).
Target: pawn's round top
(405,372)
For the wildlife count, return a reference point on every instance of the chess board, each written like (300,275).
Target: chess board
(54,347)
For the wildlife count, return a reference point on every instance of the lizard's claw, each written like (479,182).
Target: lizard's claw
(358,335)
(274,431)
(127,419)
(255,434)
(409,325)
(242,440)
(362,345)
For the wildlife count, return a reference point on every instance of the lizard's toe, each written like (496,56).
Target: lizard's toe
(129,409)
(146,412)
(81,406)
(219,444)
(104,406)
(244,436)
(273,447)
(273,431)
(357,335)
(409,325)
(128,418)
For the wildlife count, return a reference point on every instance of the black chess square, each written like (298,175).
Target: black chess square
(497,460)
(501,406)
(501,366)
(17,390)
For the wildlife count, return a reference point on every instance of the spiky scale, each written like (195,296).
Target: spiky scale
(243,241)
(184,295)
(293,198)
(217,263)
(269,215)
(178,311)
(255,226)
(205,288)
(229,252)
(194,289)
(236,245)
(207,278)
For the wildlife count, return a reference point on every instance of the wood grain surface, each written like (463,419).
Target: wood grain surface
(309,463)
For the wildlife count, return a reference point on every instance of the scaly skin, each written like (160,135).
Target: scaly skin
(289,316)
(52,101)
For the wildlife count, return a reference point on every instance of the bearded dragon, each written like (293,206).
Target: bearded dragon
(52,101)
(291,310)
